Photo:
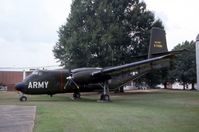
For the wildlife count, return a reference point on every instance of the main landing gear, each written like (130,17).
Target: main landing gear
(105,96)
(22,97)
(76,95)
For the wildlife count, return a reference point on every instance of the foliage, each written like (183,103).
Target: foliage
(184,66)
(156,77)
(104,33)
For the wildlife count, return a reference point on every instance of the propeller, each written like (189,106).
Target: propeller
(70,81)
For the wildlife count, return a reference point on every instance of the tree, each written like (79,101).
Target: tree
(157,77)
(184,66)
(104,33)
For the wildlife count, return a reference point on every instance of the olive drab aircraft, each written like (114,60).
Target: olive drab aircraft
(90,79)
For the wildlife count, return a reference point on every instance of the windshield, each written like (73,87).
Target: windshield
(37,73)
(34,74)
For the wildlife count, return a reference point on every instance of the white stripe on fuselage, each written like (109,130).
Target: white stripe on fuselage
(43,84)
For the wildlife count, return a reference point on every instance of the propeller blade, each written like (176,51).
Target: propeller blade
(75,83)
(65,86)
(70,81)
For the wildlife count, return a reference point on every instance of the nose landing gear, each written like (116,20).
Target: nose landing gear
(22,97)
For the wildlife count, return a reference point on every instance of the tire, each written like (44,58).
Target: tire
(106,97)
(23,98)
(102,97)
(76,95)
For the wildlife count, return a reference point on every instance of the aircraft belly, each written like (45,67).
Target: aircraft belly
(36,91)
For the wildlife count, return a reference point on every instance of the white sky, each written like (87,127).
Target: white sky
(180,18)
(28,28)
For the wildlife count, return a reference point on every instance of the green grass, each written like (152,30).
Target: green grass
(155,111)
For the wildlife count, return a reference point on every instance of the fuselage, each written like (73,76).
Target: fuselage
(91,79)
(56,81)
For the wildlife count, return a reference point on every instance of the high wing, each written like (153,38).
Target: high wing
(158,57)
(135,68)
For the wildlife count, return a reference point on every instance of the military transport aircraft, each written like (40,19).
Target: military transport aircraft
(89,79)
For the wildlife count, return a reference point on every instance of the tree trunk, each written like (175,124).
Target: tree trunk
(121,89)
(192,86)
(184,86)
(165,85)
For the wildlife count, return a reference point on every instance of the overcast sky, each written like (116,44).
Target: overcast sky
(28,28)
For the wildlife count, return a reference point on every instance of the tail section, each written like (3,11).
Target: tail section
(158,44)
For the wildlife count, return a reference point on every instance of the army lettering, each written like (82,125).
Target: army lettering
(43,84)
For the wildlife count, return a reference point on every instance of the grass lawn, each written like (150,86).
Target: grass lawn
(151,111)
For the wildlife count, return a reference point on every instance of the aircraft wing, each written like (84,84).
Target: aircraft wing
(136,67)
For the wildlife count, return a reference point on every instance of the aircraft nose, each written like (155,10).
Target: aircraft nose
(20,86)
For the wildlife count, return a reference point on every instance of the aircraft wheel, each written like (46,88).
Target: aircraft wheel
(23,98)
(102,97)
(76,95)
(105,97)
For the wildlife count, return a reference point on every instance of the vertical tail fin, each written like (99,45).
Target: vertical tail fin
(158,42)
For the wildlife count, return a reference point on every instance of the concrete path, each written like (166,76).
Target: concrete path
(15,118)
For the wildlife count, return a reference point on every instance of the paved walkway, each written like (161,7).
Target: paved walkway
(15,118)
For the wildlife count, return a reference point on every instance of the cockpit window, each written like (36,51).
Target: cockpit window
(37,73)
